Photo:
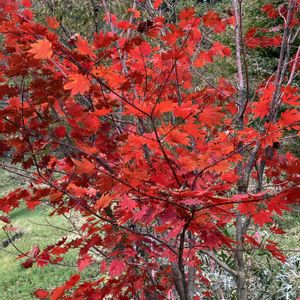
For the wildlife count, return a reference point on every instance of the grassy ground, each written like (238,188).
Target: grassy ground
(15,281)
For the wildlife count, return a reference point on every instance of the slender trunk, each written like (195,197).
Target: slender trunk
(184,284)
(179,282)
(241,280)
(191,282)
(240,59)
(239,260)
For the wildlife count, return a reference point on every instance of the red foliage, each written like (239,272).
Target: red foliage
(129,142)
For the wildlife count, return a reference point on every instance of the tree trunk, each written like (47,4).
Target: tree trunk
(241,281)
(184,289)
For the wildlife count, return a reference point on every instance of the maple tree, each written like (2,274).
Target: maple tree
(117,130)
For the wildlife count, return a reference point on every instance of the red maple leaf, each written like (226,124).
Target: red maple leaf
(124,25)
(26,3)
(157,3)
(85,166)
(42,49)
(72,281)
(83,46)
(103,201)
(60,132)
(211,116)
(41,294)
(277,230)
(57,293)
(78,84)
(262,217)
(187,13)
(31,203)
(290,117)
(273,248)
(91,122)
(52,22)
(136,13)
(278,205)
(211,19)
(84,262)
(219,49)
(117,267)
(270,10)
(5,219)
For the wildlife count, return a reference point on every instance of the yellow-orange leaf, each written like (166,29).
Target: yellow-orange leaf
(52,22)
(79,84)
(83,47)
(103,201)
(211,116)
(41,49)
(85,166)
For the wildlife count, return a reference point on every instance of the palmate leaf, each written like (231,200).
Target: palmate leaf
(41,294)
(83,47)
(84,262)
(85,166)
(117,267)
(78,84)
(52,22)
(42,49)
(263,217)
(103,201)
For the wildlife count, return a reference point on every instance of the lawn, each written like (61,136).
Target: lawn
(17,282)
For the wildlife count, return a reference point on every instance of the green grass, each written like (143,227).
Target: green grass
(17,282)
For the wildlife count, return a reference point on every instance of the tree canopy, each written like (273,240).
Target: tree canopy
(164,165)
